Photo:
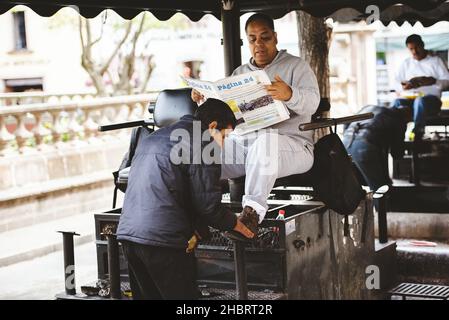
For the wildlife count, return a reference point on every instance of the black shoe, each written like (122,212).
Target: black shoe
(250,219)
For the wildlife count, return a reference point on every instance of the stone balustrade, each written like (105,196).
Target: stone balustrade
(55,124)
(19,98)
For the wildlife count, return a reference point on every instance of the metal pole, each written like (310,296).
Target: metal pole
(114,267)
(231,41)
(380,198)
(415,161)
(240,271)
(69,261)
(382,219)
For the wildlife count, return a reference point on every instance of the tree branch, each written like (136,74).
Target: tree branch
(88,32)
(117,48)
(81,30)
(86,58)
(101,33)
(96,41)
(138,32)
(148,72)
(128,62)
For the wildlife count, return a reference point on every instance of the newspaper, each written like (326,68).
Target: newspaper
(247,97)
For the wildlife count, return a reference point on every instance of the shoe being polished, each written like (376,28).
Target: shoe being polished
(250,219)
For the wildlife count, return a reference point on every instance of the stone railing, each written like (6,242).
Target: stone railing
(20,98)
(48,125)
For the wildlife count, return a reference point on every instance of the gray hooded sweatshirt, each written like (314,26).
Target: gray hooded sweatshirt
(305,93)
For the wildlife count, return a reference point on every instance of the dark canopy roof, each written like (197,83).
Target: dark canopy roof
(426,11)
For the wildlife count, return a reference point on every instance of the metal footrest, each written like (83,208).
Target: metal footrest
(418,290)
(231,294)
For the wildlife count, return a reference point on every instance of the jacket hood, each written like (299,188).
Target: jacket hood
(281,55)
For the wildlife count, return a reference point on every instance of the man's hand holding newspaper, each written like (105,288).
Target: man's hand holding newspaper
(279,89)
(197,96)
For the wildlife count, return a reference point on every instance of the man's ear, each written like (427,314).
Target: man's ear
(276,37)
(213,125)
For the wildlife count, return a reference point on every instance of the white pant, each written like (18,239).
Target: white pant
(263,157)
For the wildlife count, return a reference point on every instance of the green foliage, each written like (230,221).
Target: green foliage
(31,142)
(65,137)
(47,139)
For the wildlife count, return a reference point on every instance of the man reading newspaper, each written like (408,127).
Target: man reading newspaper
(281,149)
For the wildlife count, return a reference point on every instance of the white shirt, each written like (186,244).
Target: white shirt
(430,66)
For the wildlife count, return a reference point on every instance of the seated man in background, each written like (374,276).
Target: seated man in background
(173,187)
(369,141)
(426,75)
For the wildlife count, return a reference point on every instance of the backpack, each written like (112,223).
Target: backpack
(127,159)
(334,178)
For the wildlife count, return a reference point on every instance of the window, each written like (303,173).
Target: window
(23,84)
(19,31)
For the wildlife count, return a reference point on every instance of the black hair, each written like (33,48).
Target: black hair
(260,17)
(414,38)
(216,110)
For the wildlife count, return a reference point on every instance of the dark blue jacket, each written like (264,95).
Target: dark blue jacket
(386,130)
(165,200)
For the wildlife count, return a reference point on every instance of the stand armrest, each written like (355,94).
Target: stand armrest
(128,124)
(329,122)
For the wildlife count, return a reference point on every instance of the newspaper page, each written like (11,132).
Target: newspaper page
(206,88)
(247,97)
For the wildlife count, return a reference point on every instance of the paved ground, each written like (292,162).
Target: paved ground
(41,239)
(43,277)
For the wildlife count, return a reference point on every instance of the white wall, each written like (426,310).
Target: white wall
(53,53)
